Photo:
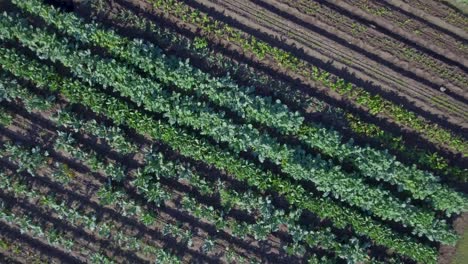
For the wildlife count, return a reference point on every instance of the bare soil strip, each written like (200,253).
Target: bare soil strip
(335,54)
(427,45)
(301,83)
(86,185)
(430,19)
(389,49)
(346,56)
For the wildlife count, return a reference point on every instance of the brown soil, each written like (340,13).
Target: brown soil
(456,222)
(335,52)
(294,99)
(84,193)
(447,253)
(84,189)
(13,250)
(300,82)
(435,15)
(12,231)
(388,21)
(386,47)
(444,11)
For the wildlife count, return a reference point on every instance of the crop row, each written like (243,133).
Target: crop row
(156,194)
(269,218)
(27,225)
(30,101)
(385,42)
(73,216)
(77,92)
(375,103)
(387,79)
(378,39)
(184,111)
(111,134)
(156,165)
(147,182)
(224,92)
(197,48)
(426,33)
(153,191)
(34,159)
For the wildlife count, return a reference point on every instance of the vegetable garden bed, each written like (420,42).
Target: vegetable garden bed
(153,131)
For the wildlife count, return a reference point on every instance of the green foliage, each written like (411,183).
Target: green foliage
(98,258)
(10,91)
(44,77)
(27,161)
(375,103)
(5,118)
(73,216)
(167,37)
(114,136)
(26,223)
(369,161)
(184,111)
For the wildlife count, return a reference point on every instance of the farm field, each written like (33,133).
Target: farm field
(209,131)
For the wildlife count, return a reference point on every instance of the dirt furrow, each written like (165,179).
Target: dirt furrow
(436,22)
(431,33)
(398,66)
(454,5)
(14,251)
(388,48)
(297,100)
(35,245)
(87,200)
(85,240)
(56,254)
(302,83)
(90,184)
(269,29)
(390,28)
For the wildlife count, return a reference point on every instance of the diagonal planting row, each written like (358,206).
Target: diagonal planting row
(377,13)
(157,165)
(440,72)
(322,80)
(390,78)
(27,226)
(14,250)
(170,71)
(72,215)
(443,11)
(164,169)
(35,159)
(196,50)
(112,135)
(271,217)
(421,27)
(426,17)
(26,222)
(291,169)
(147,183)
(183,110)
(30,161)
(14,184)
(199,149)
